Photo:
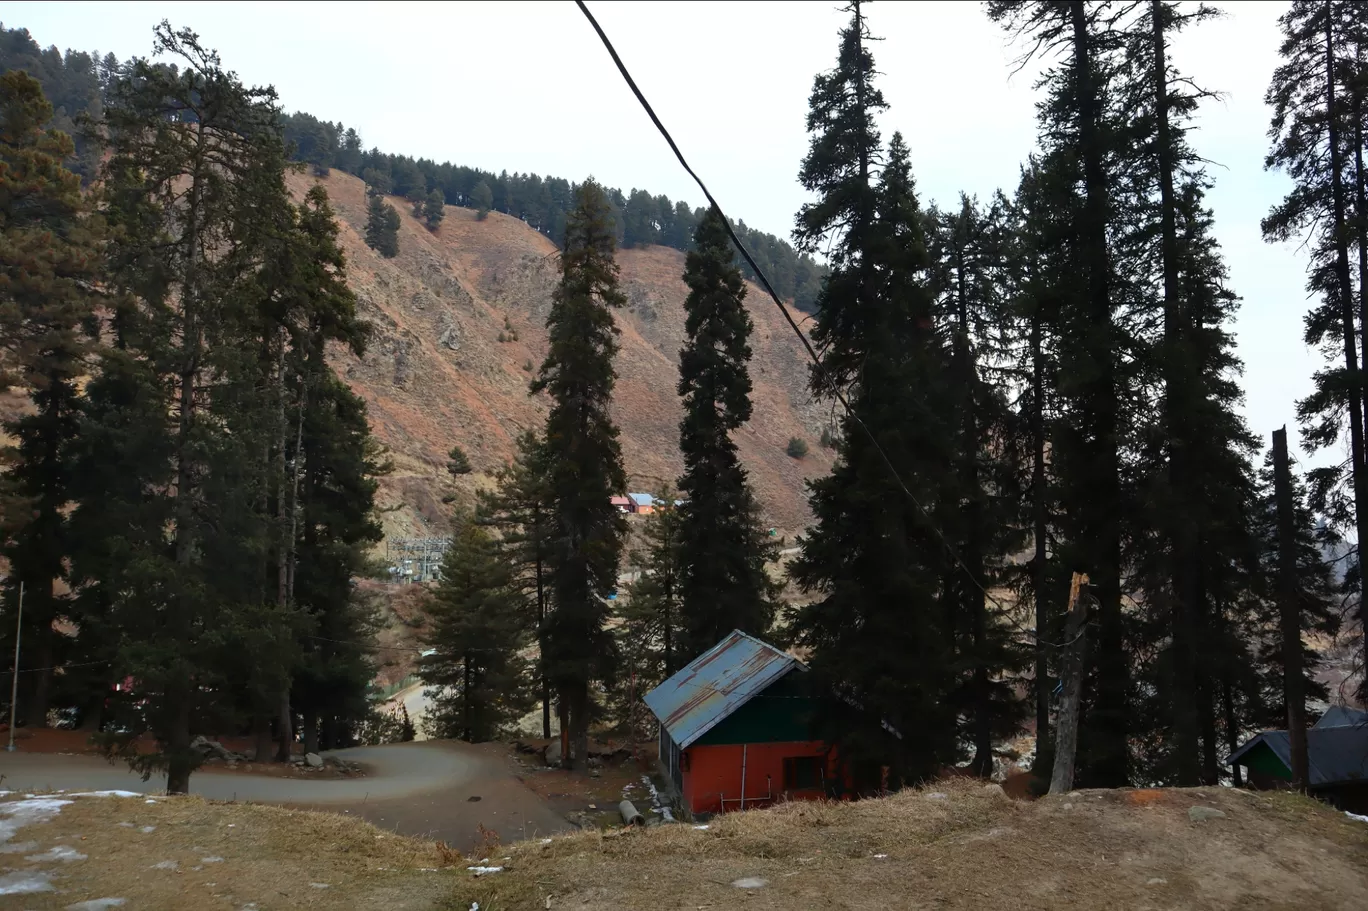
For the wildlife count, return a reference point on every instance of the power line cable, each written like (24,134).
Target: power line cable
(788,318)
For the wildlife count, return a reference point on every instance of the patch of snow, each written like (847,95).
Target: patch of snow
(215,859)
(146,829)
(474,906)
(937,795)
(702,828)
(1155,881)
(19,847)
(481,871)
(546,841)
(126,825)
(59,852)
(750,882)
(165,865)
(149,800)
(114,793)
(880,856)
(1356,817)
(97,904)
(320,885)
(5,793)
(16,814)
(24,882)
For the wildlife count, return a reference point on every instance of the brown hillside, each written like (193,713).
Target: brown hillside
(436,374)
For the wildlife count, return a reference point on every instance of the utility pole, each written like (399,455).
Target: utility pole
(14,686)
(1066,727)
(1289,616)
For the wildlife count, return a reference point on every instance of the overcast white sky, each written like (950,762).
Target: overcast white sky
(528,87)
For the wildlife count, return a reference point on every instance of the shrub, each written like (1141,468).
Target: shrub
(797,448)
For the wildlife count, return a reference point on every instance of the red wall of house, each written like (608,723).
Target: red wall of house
(712,773)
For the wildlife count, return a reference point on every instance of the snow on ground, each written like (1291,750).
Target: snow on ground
(1356,816)
(55,853)
(25,882)
(97,904)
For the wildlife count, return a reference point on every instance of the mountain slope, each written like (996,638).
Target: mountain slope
(436,373)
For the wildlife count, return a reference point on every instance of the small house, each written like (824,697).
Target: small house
(736,729)
(1337,759)
(642,503)
(623,504)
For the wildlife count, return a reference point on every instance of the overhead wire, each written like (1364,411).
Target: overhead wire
(803,339)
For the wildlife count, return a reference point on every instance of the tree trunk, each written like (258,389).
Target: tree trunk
(310,732)
(1361,199)
(541,622)
(261,728)
(1039,566)
(40,655)
(180,762)
(1066,734)
(1289,612)
(1109,759)
(1183,697)
(1232,727)
(285,719)
(982,764)
(468,733)
(563,716)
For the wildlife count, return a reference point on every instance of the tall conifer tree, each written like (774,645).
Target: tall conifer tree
(48,260)
(723,546)
(585,464)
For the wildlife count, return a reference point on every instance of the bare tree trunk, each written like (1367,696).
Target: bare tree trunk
(1039,566)
(310,724)
(1289,613)
(1066,733)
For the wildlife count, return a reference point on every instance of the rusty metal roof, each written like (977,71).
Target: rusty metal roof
(716,684)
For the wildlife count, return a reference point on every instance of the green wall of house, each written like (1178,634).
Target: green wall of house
(783,713)
(1263,759)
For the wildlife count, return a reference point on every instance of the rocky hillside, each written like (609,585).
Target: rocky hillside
(437,374)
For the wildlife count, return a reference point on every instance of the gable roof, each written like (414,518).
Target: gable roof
(1335,754)
(641,499)
(717,683)
(1339,716)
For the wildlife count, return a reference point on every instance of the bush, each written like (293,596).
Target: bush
(457,462)
(797,448)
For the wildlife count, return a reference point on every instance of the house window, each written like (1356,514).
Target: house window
(802,773)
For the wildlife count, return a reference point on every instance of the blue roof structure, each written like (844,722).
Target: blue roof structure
(1336,752)
(717,683)
(641,499)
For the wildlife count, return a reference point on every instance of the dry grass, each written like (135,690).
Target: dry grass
(970,849)
(270,858)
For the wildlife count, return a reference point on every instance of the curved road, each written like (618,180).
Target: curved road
(435,789)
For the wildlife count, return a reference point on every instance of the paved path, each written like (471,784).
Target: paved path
(420,789)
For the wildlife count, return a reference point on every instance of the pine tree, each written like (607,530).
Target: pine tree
(968,259)
(1087,448)
(479,681)
(520,509)
(382,227)
(483,198)
(434,209)
(49,256)
(585,464)
(652,631)
(195,200)
(723,547)
(873,559)
(1311,129)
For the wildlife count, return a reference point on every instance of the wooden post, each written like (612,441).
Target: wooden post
(1289,615)
(1066,726)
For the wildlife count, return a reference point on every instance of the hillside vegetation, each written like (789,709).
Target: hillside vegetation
(436,373)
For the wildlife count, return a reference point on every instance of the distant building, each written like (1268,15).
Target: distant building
(624,504)
(736,729)
(1337,759)
(642,503)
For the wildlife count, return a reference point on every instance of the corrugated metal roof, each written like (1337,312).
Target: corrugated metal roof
(1335,754)
(716,684)
(641,499)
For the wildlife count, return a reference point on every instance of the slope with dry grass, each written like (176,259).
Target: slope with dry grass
(959,847)
(437,373)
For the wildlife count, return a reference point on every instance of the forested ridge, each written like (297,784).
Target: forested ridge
(1026,389)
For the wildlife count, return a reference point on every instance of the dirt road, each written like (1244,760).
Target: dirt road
(435,789)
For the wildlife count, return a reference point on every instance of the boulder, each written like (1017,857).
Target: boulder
(553,753)
(1198,814)
(212,749)
(314,760)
